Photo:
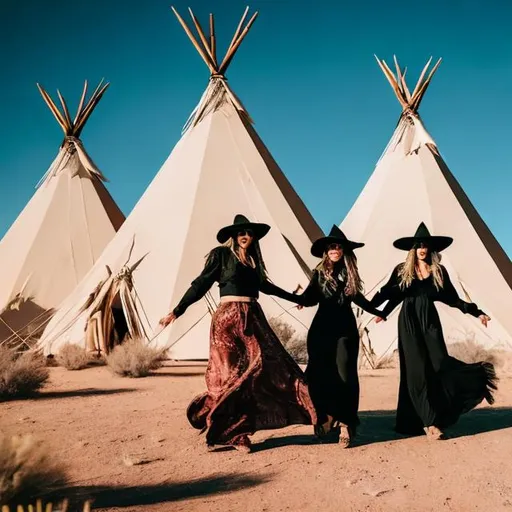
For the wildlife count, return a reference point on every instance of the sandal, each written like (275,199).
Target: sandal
(242,444)
(345,439)
(434,433)
(322,429)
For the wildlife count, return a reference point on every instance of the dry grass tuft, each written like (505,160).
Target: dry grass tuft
(26,470)
(21,375)
(295,345)
(470,351)
(73,357)
(134,359)
(388,361)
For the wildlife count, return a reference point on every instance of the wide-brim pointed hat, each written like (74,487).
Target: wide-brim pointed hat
(336,236)
(242,223)
(423,236)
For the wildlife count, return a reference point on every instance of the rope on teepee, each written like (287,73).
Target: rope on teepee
(72,147)
(217,94)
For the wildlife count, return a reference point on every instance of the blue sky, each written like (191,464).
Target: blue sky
(306,74)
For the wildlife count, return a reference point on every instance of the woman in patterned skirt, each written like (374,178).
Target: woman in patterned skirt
(253,383)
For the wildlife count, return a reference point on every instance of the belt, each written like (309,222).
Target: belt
(236,298)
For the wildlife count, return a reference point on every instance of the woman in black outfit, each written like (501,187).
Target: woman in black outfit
(333,338)
(435,389)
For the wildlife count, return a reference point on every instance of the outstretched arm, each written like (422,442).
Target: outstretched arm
(269,288)
(310,296)
(390,291)
(361,301)
(449,296)
(201,284)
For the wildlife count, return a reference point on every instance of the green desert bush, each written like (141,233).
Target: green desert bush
(134,359)
(21,375)
(295,345)
(27,470)
(73,357)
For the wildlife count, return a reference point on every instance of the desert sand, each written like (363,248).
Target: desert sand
(128,446)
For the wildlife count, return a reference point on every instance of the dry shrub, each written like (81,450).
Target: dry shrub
(21,375)
(470,351)
(387,361)
(134,359)
(48,507)
(26,470)
(73,357)
(295,345)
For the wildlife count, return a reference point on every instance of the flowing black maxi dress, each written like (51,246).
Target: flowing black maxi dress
(435,388)
(333,349)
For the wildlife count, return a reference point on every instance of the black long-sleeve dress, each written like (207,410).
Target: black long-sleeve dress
(435,388)
(333,348)
(252,382)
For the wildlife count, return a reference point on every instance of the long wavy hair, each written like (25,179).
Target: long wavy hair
(252,257)
(408,270)
(347,267)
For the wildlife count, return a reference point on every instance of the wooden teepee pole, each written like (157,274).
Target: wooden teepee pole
(232,50)
(392,81)
(81,103)
(200,31)
(213,43)
(64,108)
(205,56)
(423,89)
(87,111)
(55,111)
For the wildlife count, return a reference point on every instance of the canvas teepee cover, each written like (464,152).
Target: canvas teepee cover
(60,233)
(410,184)
(220,167)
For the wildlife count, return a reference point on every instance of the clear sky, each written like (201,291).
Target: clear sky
(306,73)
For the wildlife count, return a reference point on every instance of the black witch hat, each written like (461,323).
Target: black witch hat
(242,223)
(423,236)
(336,236)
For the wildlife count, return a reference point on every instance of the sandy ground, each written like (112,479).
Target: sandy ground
(129,446)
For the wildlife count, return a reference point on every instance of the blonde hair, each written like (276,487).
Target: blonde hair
(252,257)
(350,273)
(407,271)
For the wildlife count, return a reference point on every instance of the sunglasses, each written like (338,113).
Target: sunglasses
(247,232)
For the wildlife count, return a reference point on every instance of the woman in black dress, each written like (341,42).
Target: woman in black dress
(435,389)
(333,338)
(252,382)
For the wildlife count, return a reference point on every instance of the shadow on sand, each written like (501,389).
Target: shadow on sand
(73,393)
(378,426)
(122,496)
(278,442)
(171,373)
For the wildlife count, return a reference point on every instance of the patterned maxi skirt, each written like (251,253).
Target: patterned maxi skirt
(253,383)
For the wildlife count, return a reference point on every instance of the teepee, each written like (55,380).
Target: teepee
(60,233)
(220,167)
(410,184)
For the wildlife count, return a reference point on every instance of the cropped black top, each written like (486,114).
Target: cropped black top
(234,278)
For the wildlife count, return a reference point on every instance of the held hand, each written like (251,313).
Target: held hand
(484,319)
(166,320)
